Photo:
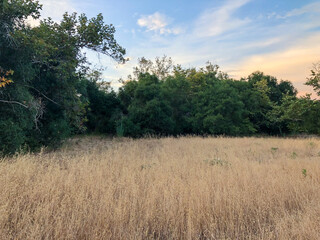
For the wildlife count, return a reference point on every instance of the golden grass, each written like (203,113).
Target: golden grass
(186,188)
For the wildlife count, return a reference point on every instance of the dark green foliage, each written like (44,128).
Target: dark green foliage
(275,90)
(48,92)
(314,79)
(12,136)
(177,91)
(204,101)
(219,110)
(103,109)
(148,112)
(42,103)
(265,97)
(301,114)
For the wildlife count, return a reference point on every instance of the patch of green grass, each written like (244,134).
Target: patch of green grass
(294,155)
(217,162)
(146,166)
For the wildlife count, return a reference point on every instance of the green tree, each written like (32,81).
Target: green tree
(302,114)
(148,112)
(276,90)
(161,67)
(314,79)
(219,110)
(176,90)
(266,95)
(103,106)
(43,102)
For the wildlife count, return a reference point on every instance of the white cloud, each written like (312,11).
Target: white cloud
(153,22)
(53,9)
(32,22)
(158,23)
(216,21)
(56,8)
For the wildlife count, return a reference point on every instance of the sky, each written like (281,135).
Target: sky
(279,38)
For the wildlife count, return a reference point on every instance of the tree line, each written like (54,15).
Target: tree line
(48,92)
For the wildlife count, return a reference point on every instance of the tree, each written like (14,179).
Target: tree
(302,114)
(266,95)
(314,79)
(219,110)
(162,67)
(176,90)
(101,102)
(276,90)
(148,112)
(42,102)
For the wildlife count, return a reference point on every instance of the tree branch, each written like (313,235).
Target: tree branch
(44,95)
(14,102)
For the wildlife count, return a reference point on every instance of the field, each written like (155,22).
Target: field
(169,188)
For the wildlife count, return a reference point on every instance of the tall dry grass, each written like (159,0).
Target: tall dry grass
(186,188)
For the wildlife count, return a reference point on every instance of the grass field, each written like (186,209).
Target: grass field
(170,188)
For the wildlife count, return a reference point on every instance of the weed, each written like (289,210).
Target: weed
(217,162)
(146,166)
(294,155)
(311,144)
(274,150)
(304,172)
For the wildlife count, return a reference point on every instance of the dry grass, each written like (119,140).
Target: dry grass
(187,188)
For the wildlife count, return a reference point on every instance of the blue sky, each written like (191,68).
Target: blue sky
(280,38)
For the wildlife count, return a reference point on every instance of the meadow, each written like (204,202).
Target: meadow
(167,188)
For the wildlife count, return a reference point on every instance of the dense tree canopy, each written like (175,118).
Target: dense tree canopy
(40,70)
(48,92)
(205,101)
(314,79)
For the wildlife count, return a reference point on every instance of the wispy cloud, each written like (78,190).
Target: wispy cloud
(158,23)
(310,8)
(216,21)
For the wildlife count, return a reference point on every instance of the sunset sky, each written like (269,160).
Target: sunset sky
(280,38)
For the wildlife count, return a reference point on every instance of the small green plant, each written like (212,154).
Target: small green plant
(274,150)
(146,166)
(217,162)
(304,172)
(294,155)
(120,130)
(311,144)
